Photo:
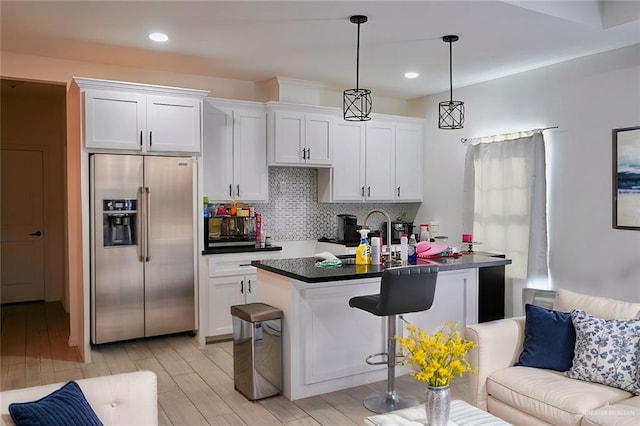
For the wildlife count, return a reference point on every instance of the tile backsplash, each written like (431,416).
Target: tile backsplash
(293,212)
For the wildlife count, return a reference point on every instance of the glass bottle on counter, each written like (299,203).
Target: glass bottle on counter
(404,248)
(412,255)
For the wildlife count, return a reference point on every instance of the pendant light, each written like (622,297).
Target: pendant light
(451,112)
(356,103)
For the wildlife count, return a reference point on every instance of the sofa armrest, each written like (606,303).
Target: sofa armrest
(498,345)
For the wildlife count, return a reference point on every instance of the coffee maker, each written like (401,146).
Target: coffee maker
(347,229)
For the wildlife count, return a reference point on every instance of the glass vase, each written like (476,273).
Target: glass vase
(437,405)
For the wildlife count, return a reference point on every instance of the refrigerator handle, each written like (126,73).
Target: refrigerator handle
(140,225)
(147,227)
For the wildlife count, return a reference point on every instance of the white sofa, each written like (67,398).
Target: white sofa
(534,396)
(121,399)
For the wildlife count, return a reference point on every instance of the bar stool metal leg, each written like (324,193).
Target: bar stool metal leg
(392,400)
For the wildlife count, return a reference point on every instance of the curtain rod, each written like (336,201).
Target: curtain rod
(463,140)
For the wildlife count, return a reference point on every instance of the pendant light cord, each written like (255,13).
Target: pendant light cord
(358,59)
(450,72)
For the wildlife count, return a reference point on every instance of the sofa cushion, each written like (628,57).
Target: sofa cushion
(602,307)
(624,413)
(66,406)
(549,395)
(549,338)
(606,351)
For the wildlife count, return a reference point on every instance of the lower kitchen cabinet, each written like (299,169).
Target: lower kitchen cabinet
(229,279)
(225,292)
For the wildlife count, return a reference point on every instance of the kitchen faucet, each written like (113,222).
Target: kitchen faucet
(386,215)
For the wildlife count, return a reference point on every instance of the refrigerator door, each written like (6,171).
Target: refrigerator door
(117,284)
(169,270)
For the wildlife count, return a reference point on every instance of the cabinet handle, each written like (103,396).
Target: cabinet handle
(238,190)
(229,190)
(241,286)
(368,191)
(304,154)
(249,286)
(362,190)
(398,191)
(150,138)
(308,153)
(140,137)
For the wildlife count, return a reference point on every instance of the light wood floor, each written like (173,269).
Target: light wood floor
(195,384)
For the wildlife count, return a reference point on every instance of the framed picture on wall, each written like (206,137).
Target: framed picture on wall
(626,178)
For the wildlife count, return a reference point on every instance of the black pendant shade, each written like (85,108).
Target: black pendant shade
(356,103)
(451,113)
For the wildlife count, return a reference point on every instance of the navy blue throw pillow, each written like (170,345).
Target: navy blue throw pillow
(549,339)
(66,406)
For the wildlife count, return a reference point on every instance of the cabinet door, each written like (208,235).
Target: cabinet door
(114,120)
(289,133)
(317,141)
(173,124)
(217,153)
(408,164)
(348,148)
(224,292)
(379,161)
(251,288)
(250,173)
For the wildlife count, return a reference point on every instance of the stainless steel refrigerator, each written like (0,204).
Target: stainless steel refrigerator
(142,247)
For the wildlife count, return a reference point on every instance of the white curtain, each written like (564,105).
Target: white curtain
(505,207)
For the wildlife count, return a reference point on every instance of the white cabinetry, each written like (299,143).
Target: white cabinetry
(408,161)
(231,280)
(377,161)
(298,136)
(140,117)
(235,151)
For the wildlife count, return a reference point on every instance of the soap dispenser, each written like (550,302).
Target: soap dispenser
(363,252)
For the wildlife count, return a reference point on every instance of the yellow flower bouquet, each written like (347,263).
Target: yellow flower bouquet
(436,359)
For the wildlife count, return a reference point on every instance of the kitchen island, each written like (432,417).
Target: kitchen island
(325,342)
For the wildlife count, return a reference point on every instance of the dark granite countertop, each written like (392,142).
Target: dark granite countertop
(239,249)
(304,269)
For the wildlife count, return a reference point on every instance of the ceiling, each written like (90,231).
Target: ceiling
(315,41)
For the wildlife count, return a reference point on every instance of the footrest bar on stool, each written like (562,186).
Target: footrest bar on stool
(384,354)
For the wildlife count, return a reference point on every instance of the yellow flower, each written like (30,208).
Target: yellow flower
(436,359)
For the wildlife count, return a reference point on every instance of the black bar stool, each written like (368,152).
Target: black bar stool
(402,290)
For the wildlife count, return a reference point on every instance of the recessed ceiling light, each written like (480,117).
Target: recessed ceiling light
(411,74)
(159,37)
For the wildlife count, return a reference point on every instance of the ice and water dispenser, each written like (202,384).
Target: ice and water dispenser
(119,222)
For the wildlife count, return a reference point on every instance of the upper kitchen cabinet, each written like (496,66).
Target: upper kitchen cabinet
(140,117)
(235,151)
(379,160)
(298,135)
(408,161)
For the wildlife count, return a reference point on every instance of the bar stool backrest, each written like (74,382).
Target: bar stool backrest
(407,289)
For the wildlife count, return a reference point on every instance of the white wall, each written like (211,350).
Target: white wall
(586,98)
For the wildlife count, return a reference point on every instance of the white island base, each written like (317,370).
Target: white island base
(325,342)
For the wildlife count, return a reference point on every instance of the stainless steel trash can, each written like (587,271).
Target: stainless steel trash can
(257,350)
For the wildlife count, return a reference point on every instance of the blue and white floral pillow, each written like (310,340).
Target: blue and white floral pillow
(606,351)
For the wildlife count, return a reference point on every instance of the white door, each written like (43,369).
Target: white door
(379,162)
(224,292)
(347,140)
(408,162)
(250,173)
(317,142)
(289,134)
(114,120)
(22,247)
(173,124)
(217,153)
